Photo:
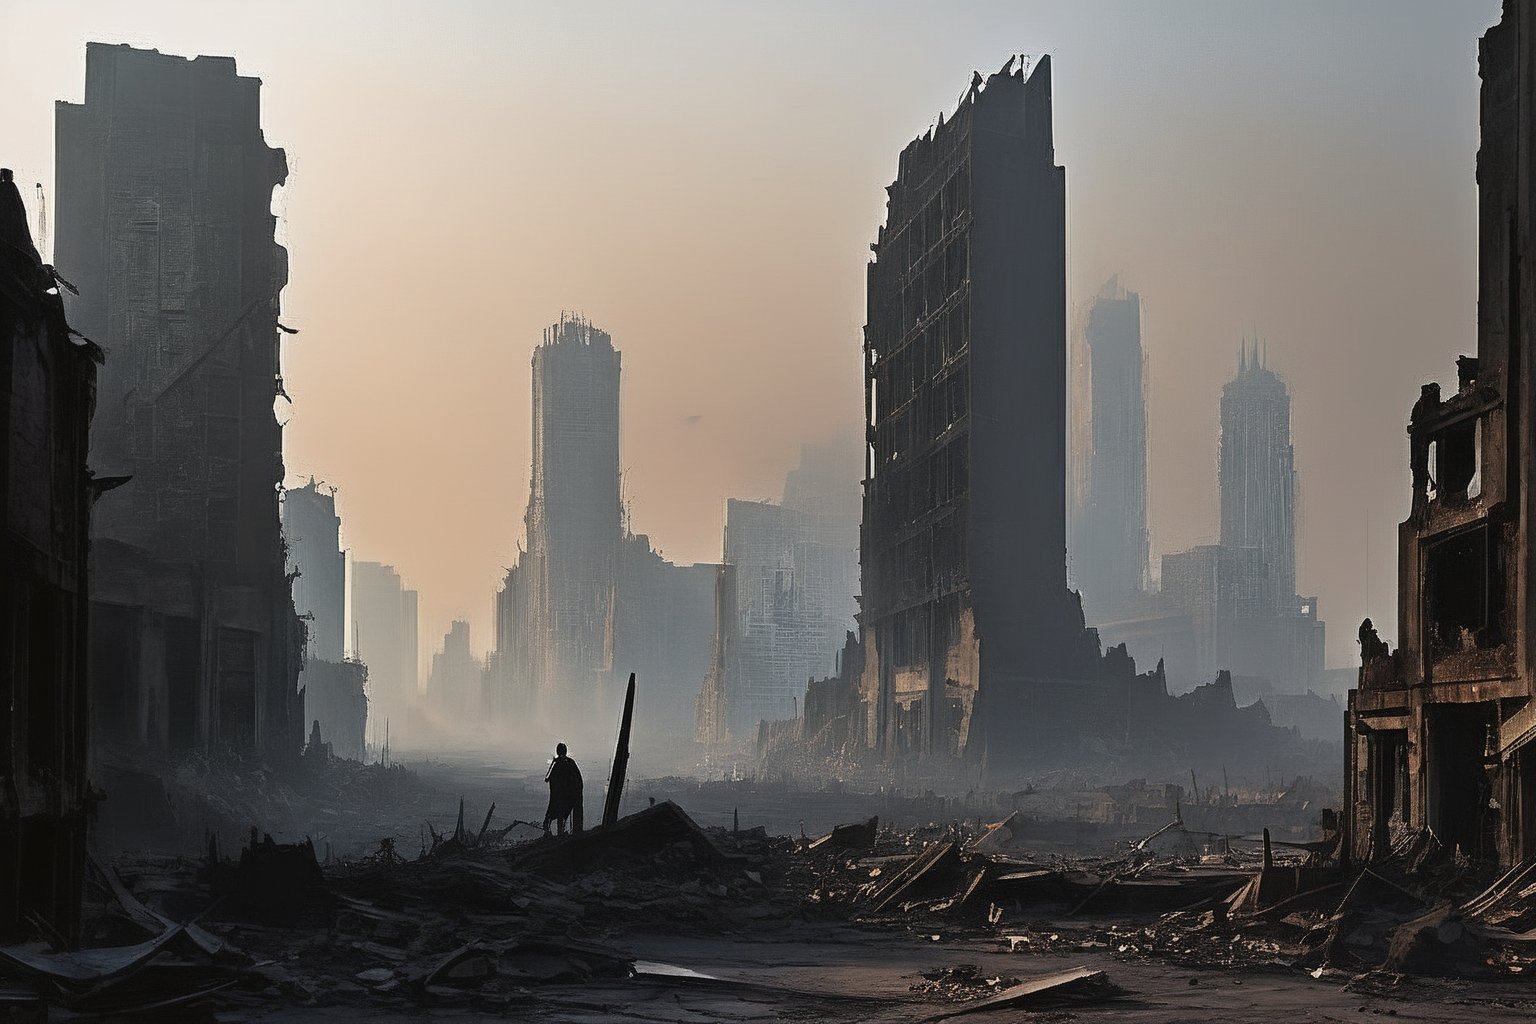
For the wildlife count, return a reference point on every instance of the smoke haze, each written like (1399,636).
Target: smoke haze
(462,173)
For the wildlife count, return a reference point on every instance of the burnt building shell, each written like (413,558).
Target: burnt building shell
(590,600)
(47,394)
(1439,730)
(967,619)
(164,187)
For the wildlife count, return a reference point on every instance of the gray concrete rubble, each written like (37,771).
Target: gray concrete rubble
(913,922)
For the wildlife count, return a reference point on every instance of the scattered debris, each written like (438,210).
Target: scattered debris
(1078,986)
(859,835)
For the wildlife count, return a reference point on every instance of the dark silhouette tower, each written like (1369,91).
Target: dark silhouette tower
(165,223)
(966,611)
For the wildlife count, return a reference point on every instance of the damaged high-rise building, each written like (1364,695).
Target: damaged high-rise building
(47,391)
(335,687)
(1109,531)
(385,620)
(590,601)
(972,642)
(1440,731)
(574,519)
(786,596)
(165,223)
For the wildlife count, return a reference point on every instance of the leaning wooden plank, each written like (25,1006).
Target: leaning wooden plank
(1079,985)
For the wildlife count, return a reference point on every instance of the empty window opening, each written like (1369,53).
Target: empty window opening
(1454,457)
(1475,485)
(1461,805)
(1387,772)
(1462,594)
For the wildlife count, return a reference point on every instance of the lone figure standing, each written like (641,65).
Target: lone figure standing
(564,780)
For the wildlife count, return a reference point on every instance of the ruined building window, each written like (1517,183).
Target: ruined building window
(1454,461)
(1462,593)
(1475,484)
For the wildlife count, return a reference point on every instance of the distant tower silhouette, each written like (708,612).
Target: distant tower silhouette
(1258,473)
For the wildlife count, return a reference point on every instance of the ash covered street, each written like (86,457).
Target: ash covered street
(920,916)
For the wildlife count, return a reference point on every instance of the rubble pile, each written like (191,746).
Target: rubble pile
(480,917)
(174,804)
(985,879)
(496,915)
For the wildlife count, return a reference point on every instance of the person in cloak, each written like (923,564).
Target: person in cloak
(564,780)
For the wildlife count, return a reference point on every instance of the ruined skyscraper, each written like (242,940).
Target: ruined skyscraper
(1440,730)
(967,619)
(574,522)
(1109,536)
(384,623)
(47,390)
(334,687)
(165,223)
(787,596)
(313,532)
(1258,474)
(590,600)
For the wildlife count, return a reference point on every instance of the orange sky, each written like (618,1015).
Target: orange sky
(703,179)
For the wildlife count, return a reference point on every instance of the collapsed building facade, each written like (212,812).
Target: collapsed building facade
(335,686)
(1439,730)
(787,595)
(47,393)
(970,648)
(165,223)
(589,601)
(972,644)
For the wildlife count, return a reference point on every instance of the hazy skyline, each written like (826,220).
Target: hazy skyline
(462,173)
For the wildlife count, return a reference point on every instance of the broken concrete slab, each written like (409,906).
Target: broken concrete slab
(1078,986)
(630,839)
(859,835)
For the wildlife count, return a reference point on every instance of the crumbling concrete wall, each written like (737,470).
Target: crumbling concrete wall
(47,395)
(165,223)
(1439,731)
(965,398)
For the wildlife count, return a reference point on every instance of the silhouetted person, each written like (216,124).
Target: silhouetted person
(564,780)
